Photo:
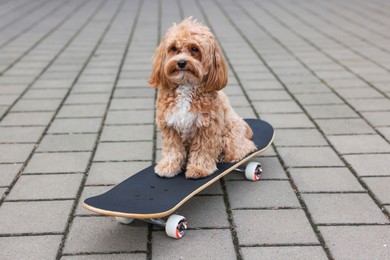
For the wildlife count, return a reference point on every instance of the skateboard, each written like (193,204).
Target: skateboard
(148,197)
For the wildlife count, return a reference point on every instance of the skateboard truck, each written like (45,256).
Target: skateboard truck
(175,226)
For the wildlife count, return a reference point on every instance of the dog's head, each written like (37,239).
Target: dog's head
(189,55)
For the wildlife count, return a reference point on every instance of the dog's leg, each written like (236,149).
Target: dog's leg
(173,155)
(236,142)
(204,151)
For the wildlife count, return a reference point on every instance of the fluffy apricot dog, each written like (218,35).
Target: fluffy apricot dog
(199,127)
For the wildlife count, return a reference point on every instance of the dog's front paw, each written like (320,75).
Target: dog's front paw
(193,172)
(167,169)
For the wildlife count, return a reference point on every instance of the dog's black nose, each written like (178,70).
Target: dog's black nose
(182,64)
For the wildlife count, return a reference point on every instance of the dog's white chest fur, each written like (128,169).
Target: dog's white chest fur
(181,118)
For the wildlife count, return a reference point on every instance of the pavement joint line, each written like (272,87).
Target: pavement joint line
(106,253)
(281,245)
(363,184)
(48,125)
(31,234)
(38,200)
(351,224)
(25,53)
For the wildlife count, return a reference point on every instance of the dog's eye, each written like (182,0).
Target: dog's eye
(194,49)
(173,48)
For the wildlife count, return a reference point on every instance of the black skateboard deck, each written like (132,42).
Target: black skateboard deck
(146,195)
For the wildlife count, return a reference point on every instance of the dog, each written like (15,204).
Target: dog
(199,127)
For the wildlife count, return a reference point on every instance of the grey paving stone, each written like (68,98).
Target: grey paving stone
(127,133)
(14,153)
(233,90)
(27,119)
(299,137)
(87,192)
(318,87)
(8,100)
(108,236)
(113,172)
(325,180)
(368,242)
(200,241)
(378,118)
(344,126)
(318,99)
(359,144)
(45,93)
(8,172)
(75,125)
(90,98)
(245,112)
(276,107)
(77,111)
(33,247)
(124,151)
(364,92)
(60,143)
(62,186)
(374,104)
(263,194)
(309,156)
(92,88)
(134,92)
(205,212)
(36,105)
(343,208)
(236,101)
(58,162)
(132,103)
(380,187)
(28,217)
(20,134)
(385,131)
(119,256)
(276,227)
(281,253)
(130,117)
(269,95)
(370,164)
(334,111)
(287,120)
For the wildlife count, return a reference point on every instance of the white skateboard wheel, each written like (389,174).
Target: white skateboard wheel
(253,171)
(176,226)
(125,221)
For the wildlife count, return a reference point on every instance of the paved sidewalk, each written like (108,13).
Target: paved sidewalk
(77,117)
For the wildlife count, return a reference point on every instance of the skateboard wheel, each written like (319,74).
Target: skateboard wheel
(253,171)
(176,226)
(125,221)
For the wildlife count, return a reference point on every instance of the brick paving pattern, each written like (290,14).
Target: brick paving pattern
(77,117)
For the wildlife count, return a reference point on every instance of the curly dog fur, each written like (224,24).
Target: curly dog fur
(199,126)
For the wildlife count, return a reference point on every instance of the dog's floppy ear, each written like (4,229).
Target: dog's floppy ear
(218,72)
(157,79)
